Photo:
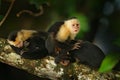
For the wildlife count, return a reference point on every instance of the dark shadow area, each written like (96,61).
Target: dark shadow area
(10,73)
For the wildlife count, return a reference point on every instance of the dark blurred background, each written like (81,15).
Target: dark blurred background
(99,21)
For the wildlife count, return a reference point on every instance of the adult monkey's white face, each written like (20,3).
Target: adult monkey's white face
(73,25)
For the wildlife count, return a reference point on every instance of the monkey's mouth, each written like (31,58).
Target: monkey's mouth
(76,30)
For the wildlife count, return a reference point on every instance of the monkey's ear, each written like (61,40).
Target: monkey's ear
(50,43)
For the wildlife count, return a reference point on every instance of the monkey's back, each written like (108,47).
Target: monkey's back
(89,54)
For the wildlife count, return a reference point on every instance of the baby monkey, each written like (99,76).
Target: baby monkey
(29,44)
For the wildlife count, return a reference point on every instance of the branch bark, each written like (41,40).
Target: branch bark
(48,69)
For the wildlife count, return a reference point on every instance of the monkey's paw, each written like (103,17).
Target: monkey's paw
(77,45)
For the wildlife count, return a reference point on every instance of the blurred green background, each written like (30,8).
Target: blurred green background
(99,19)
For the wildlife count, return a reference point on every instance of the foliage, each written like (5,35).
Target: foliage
(84,27)
(109,62)
(67,8)
(112,59)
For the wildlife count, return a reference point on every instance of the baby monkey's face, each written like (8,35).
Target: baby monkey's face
(63,59)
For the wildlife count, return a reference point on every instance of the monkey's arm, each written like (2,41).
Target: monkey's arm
(50,43)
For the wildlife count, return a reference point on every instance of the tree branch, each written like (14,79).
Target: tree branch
(31,13)
(48,69)
(7,13)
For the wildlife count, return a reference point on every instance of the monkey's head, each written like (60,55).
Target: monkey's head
(17,38)
(73,25)
(64,58)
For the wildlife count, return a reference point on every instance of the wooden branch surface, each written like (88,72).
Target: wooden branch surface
(48,69)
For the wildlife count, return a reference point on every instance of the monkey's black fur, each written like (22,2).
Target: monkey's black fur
(33,47)
(88,54)
(55,27)
(52,45)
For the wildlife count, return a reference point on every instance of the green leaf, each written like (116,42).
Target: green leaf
(109,62)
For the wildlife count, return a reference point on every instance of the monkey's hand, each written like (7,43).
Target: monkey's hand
(77,44)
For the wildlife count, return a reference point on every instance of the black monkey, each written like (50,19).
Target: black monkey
(88,54)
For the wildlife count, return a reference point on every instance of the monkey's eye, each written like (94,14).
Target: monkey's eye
(77,24)
(73,24)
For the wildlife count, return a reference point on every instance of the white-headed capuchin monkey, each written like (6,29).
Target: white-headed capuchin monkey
(29,44)
(61,35)
(60,39)
(62,45)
